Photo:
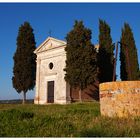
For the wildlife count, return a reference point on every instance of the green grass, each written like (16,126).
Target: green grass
(73,120)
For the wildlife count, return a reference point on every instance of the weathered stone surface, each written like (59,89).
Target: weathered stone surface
(120,99)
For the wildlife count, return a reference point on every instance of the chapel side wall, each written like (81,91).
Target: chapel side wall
(120,99)
(89,94)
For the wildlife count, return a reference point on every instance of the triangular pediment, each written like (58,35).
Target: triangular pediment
(50,43)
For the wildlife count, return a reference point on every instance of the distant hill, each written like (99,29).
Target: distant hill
(16,101)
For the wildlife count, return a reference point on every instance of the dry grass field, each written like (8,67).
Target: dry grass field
(73,120)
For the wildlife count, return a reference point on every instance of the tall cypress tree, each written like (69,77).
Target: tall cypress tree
(129,69)
(81,64)
(105,55)
(24,60)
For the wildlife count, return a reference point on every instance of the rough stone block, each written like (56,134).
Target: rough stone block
(120,99)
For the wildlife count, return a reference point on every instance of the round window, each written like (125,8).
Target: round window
(51,65)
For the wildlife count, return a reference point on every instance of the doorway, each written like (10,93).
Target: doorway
(50,91)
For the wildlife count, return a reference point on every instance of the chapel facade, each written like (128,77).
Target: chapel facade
(51,86)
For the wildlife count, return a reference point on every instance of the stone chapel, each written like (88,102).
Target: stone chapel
(51,86)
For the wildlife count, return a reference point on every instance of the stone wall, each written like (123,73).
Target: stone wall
(120,99)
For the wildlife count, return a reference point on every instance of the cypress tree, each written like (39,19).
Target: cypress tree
(105,55)
(24,60)
(81,64)
(129,68)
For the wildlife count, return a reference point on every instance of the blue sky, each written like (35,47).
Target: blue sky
(59,18)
